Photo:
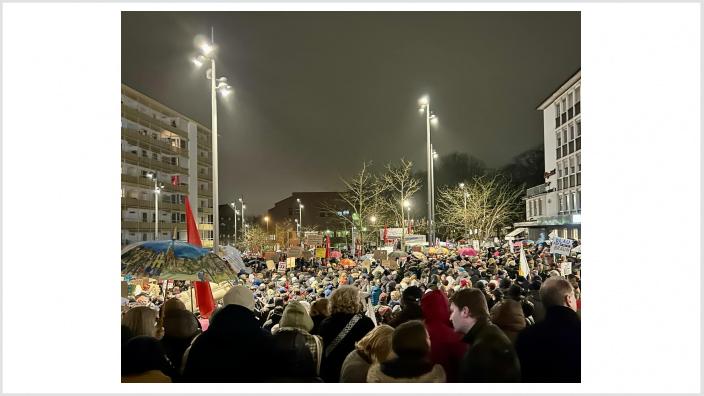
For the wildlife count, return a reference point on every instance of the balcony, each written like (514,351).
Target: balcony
(149,204)
(153,164)
(537,190)
(133,136)
(148,226)
(150,122)
(143,181)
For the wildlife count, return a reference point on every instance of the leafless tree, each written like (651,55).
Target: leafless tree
(400,186)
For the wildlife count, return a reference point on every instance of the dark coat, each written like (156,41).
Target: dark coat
(491,357)
(233,349)
(295,356)
(550,351)
(174,347)
(317,320)
(538,307)
(508,315)
(408,312)
(329,329)
(446,346)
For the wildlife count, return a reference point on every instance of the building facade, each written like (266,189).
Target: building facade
(156,140)
(556,205)
(315,215)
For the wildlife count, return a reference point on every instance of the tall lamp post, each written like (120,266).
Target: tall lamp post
(157,189)
(424,103)
(234,209)
(432,191)
(208,54)
(464,192)
(266,220)
(300,219)
(372,219)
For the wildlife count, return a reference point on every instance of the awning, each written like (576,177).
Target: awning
(515,232)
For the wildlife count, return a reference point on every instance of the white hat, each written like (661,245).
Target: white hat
(239,295)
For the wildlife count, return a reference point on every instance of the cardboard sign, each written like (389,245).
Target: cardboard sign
(269,255)
(380,255)
(282,267)
(566,268)
(291,262)
(270,265)
(320,252)
(314,239)
(295,251)
(561,246)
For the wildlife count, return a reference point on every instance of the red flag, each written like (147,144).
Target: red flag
(327,246)
(386,235)
(204,295)
(174,180)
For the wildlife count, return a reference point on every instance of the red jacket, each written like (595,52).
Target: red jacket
(446,346)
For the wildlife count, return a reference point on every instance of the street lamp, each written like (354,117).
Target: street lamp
(424,104)
(464,192)
(300,218)
(234,209)
(157,190)
(208,54)
(266,219)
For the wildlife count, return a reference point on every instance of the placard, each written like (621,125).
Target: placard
(270,265)
(295,251)
(390,264)
(380,254)
(282,267)
(566,268)
(270,255)
(314,239)
(561,246)
(291,262)
(320,252)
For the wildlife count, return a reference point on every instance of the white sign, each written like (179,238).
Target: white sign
(414,239)
(475,245)
(391,233)
(566,268)
(561,246)
(282,267)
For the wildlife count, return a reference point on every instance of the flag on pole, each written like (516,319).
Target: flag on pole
(523,269)
(204,295)
(327,246)
(386,235)
(174,180)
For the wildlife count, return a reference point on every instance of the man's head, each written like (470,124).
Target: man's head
(557,291)
(467,307)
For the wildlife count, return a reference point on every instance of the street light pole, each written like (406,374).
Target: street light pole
(157,190)
(300,219)
(425,106)
(464,192)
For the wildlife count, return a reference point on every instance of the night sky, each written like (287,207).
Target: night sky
(316,93)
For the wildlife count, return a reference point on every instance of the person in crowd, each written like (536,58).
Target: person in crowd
(180,328)
(410,307)
(375,347)
(508,313)
(411,361)
(234,348)
(299,351)
(168,306)
(275,314)
(534,298)
(143,360)
(490,356)
(141,321)
(345,326)
(446,346)
(550,351)
(318,312)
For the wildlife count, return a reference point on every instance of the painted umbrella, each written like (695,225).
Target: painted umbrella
(175,260)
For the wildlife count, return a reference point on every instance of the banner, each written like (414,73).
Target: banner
(415,239)
(561,246)
(391,233)
(475,245)
(270,256)
(320,252)
(307,255)
(314,239)
(295,251)
(523,269)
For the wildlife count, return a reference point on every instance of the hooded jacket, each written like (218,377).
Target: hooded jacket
(490,357)
(397,371)
(233,349)
(446,346)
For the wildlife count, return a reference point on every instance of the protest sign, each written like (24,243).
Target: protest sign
(282,267)
(314,239)
(270,265)
(295,251)
(380,254)
(269,255)
(291,262)
(561,246)
(566,268)
(320,252)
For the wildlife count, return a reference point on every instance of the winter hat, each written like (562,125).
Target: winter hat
(505,283)
(514,292)
(412,294)
(239,295)
(295,315)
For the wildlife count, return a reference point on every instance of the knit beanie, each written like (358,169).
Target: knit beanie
(239,295)
(295,315)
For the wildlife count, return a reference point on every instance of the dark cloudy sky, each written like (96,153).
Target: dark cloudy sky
(316,93)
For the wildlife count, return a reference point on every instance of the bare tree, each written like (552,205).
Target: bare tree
(255,239)
(491,201)
(400,186)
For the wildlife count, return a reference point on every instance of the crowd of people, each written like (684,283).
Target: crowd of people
(446,318)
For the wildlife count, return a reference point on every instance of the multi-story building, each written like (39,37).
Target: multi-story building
(316,215)
(157,140)
(556,205)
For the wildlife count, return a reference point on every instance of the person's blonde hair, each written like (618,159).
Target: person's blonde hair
(345,299)
(172,304)
(141,321)
(376,345)
(320,307)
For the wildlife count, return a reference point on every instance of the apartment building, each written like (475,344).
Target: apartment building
(161,144)
(556,205)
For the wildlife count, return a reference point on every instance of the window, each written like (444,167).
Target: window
(575,233)
(579,128)
(579,199)
(144,236)
(572,147)
(574,200)
(579,178)
(154,156)
(540,207)
(559,184)
(144,218)
(564,135)
(572,181)
(571,131)
(559,172)
(564,149)
(578,143)
(561,207)
(530,209)
(569,100)
(559,139)
(576,94)
(557,153)
(564,167)
(579,162)
(571,165)
(144,153)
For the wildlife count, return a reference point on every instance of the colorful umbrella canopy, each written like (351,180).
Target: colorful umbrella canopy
(175,260)
(419,256)
(468,251)
(335,254)
(347,263)
(397,254)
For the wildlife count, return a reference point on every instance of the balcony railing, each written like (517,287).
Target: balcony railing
(143,181)
(539,189)
(150,122)
(149,204)
(135,137)
(158,165)
(148,226)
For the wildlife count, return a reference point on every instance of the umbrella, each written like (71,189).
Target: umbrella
(468,251)
(175,260)
(419,256)
(367,257)
(432,250)
(397,254)
(234,258)
(335,254)
(347,263)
